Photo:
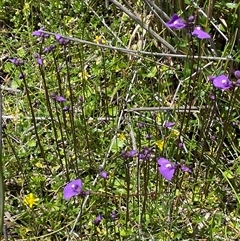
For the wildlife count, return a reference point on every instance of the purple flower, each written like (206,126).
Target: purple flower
(221,82)
(17,62)
(140,125)
(185,169)
(145,154)
(72,189)
(40,61)
(235,123)
(237,74)
(21,75)
(49,48)
(38,58)
(176,22)
(61,40)
(199,33)
(39,33)
(66,108)
(212,96)
(114,215)
(191,19)
(166,168)
(103,174)
(97,220)
(237,83)
(60,98)
(148,136)
(128,154)
(180,145)
(169,124)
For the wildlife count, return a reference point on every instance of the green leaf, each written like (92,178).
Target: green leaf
(228,174)
(32,143)
(231,5)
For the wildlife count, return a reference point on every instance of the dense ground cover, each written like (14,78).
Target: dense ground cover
(120,123)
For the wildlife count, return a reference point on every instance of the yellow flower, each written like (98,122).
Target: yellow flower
(39,165)
(83,75)
(30,200)
(160,144)
(99,40)
(121,137)
(175,132)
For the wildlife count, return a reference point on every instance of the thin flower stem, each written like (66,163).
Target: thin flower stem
(34,121)
(2,191)
(63,141)
(120,118)
(220,145)
(71,113)
(51,115)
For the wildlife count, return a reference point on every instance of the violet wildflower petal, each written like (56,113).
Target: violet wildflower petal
(128,154)
(185,169)
(222,82)
(103,174)
(98,219)
(114,215)
(61,40)
(237,74)
(180,145)
(166,168)
(148,136)
(169,124)
(39,33)
(40,61)
(60,98)
(176,22)
(199,33)
(17,62)
(237,83)
(66,108)
(72,189)
(49,48)
(191,19)
(21,75)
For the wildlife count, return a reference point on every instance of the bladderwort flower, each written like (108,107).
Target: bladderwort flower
(237,74)
(199,33)
(17,62)
(145,154)
(72,189)
(66,108)
(39,33)
(103,173)
(167,168)
(114,215)
(97,220)
(61,40)
(180,145)
(221,82)
(169,124)
(60,98)
(21,75)
(49,48)
(38,58)
(148,136)
(128,154)
(176,22)
(237,83)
